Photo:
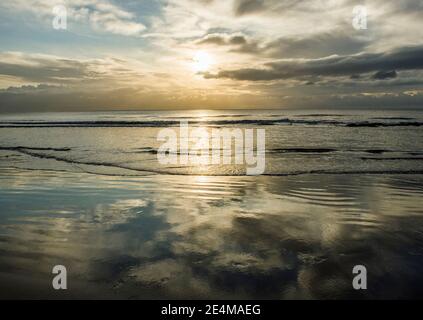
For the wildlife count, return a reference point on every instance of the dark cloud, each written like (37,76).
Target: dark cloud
(214,39)
(383,75)
(41,72)
(58,71)
(238,40)
(40,88)
(403,100)
(408,6)
(408,58)
(223,40)
(238,43)
(320,45)
(243,7)
(246,7)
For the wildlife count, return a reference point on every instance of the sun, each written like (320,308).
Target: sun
(202,61)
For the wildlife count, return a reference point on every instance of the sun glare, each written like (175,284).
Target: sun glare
(202,61)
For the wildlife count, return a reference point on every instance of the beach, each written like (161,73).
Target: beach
(92,197)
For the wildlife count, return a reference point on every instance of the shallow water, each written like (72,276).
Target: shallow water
(93,200)
(126,143)
(210,237)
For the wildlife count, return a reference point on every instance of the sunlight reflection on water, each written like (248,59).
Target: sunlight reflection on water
(212,237)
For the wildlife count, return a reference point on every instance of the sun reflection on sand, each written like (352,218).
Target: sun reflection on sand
(208,236)
(202,179)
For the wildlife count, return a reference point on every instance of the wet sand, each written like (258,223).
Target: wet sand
(159,236)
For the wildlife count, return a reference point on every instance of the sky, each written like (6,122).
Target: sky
(201,54)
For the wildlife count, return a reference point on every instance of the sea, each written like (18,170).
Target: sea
(86,191)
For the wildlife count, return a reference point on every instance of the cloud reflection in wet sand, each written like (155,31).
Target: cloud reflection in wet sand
(212,237)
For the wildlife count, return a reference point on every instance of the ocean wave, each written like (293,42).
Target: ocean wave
(168,171)
(330,150)
(301,150)
(34,148)
(170,123)
(385,124)
(392,158)
(318,115)
(393,118)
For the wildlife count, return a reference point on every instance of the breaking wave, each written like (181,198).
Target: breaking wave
(170,123)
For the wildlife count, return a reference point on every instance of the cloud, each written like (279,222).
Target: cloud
(383,75)
(318,45)
(41,88)
(100,14)
(49,69)
(238,43)
(408,58)
(112,22)
(214,39)
(42,68)
(248,7)
(287,51)
(243,7)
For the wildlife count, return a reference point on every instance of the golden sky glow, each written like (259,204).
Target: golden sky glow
(209,54)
